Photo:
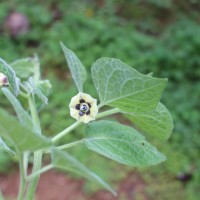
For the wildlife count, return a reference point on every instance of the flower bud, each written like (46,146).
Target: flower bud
(3,80)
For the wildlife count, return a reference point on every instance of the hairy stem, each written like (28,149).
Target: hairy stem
(37,162)
(22,179)
(65,132)
(76,124)
(33,109)
(25,162)
(23,94)
(108,112)
(39,172)
(65,146)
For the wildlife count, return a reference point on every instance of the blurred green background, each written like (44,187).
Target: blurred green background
(162,37)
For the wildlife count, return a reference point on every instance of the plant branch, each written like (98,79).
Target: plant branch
(25,162)
(39,172)
(37,162)
(65,146)
(33,110)
(23,94)
(22,179)
(108,112)
(65,131)
(23,87)
(76,124)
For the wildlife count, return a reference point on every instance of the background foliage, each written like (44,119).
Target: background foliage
(152,36)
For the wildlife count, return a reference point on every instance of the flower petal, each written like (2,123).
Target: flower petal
(74,113)
(74,101)
(94,110)
(87,98)
(86,118)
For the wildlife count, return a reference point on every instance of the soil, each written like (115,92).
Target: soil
(58,186)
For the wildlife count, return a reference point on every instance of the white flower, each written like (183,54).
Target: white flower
(83,107)
(3,80)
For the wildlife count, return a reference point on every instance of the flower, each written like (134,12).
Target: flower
(3,80)
(83,107)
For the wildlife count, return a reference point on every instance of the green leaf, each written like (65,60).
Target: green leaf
(4,147)
(64,161)
(76,67)
(150,74)
(22,115)
(33,88)
(45,87)
(21,137)
(121,86)
(25,67)
(157,122)
(9,72)
(37,91)
(121,143)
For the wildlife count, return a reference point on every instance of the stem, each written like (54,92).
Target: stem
(22,86)
(23,94)
(37,155)
(65,146)
(65,132)
(25,162)
(22,179)
(42,170)
(33,109)
(36,75)
(76,124)
(108,112)
(37,163)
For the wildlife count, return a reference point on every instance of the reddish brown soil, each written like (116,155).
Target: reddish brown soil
(57,186)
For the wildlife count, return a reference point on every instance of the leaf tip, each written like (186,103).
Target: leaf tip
(61,43)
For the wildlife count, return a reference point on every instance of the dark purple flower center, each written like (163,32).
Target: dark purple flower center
(83,107)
